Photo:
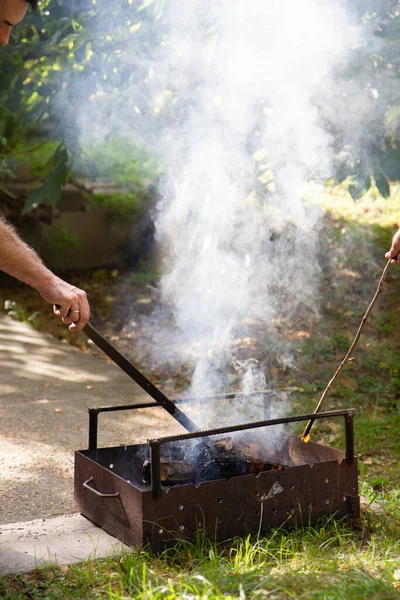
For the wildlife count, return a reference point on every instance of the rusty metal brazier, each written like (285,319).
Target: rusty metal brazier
(312,480)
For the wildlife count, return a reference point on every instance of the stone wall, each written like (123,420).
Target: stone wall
(78,233)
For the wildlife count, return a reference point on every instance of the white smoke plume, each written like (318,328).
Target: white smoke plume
(234,249)
(240,138)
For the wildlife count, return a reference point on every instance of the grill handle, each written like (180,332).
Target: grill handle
(86,485)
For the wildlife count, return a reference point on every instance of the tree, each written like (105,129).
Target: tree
(76,53)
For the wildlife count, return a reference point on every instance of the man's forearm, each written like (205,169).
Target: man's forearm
(20,261)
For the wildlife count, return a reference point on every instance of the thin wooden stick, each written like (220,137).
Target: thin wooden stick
(306,434)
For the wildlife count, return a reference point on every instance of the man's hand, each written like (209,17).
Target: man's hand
(69,302)
(394,252)
(20,261)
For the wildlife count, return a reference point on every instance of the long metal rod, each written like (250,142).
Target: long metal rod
(200,400)
(139,378)
(94,412)
(345,412)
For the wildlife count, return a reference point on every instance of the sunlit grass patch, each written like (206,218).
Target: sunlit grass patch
(333,559)
(371,209)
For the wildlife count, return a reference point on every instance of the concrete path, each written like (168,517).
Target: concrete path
(60,540)
(46,387)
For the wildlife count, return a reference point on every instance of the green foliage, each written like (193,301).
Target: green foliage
(129,166)
(126,167)
(370,154)
(382,182)
(33,157)
(20,313)
(144,276)
(59,59)
(62,59)
(57,177)
(65,239)
(325,349)
(116,204)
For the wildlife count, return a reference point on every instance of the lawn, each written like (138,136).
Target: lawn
(331,560)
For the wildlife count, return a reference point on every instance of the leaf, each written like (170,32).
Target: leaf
(135,27)
(359,186)
(61,155)
(393,114)
(382,183)
(258,155)
(7,192)
(159,7)
(345,164)
(145,4)
(389,163)
(51,188)
(341,174)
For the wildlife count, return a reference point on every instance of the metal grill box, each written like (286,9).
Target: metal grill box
(314,480)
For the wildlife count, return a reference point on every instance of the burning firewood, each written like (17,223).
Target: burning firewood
(188,462)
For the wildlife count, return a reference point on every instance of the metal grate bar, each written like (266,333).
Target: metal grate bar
(93,412)
(347,414)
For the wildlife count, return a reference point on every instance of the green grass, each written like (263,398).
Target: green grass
(334,560)
(331,560)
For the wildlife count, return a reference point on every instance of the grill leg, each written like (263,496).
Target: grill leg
(155,470)
(93,421)
(349,437)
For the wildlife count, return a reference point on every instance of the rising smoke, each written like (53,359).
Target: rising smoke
(235,249)
(240,137)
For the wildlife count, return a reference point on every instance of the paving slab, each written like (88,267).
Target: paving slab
(59,541)
(46,387)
